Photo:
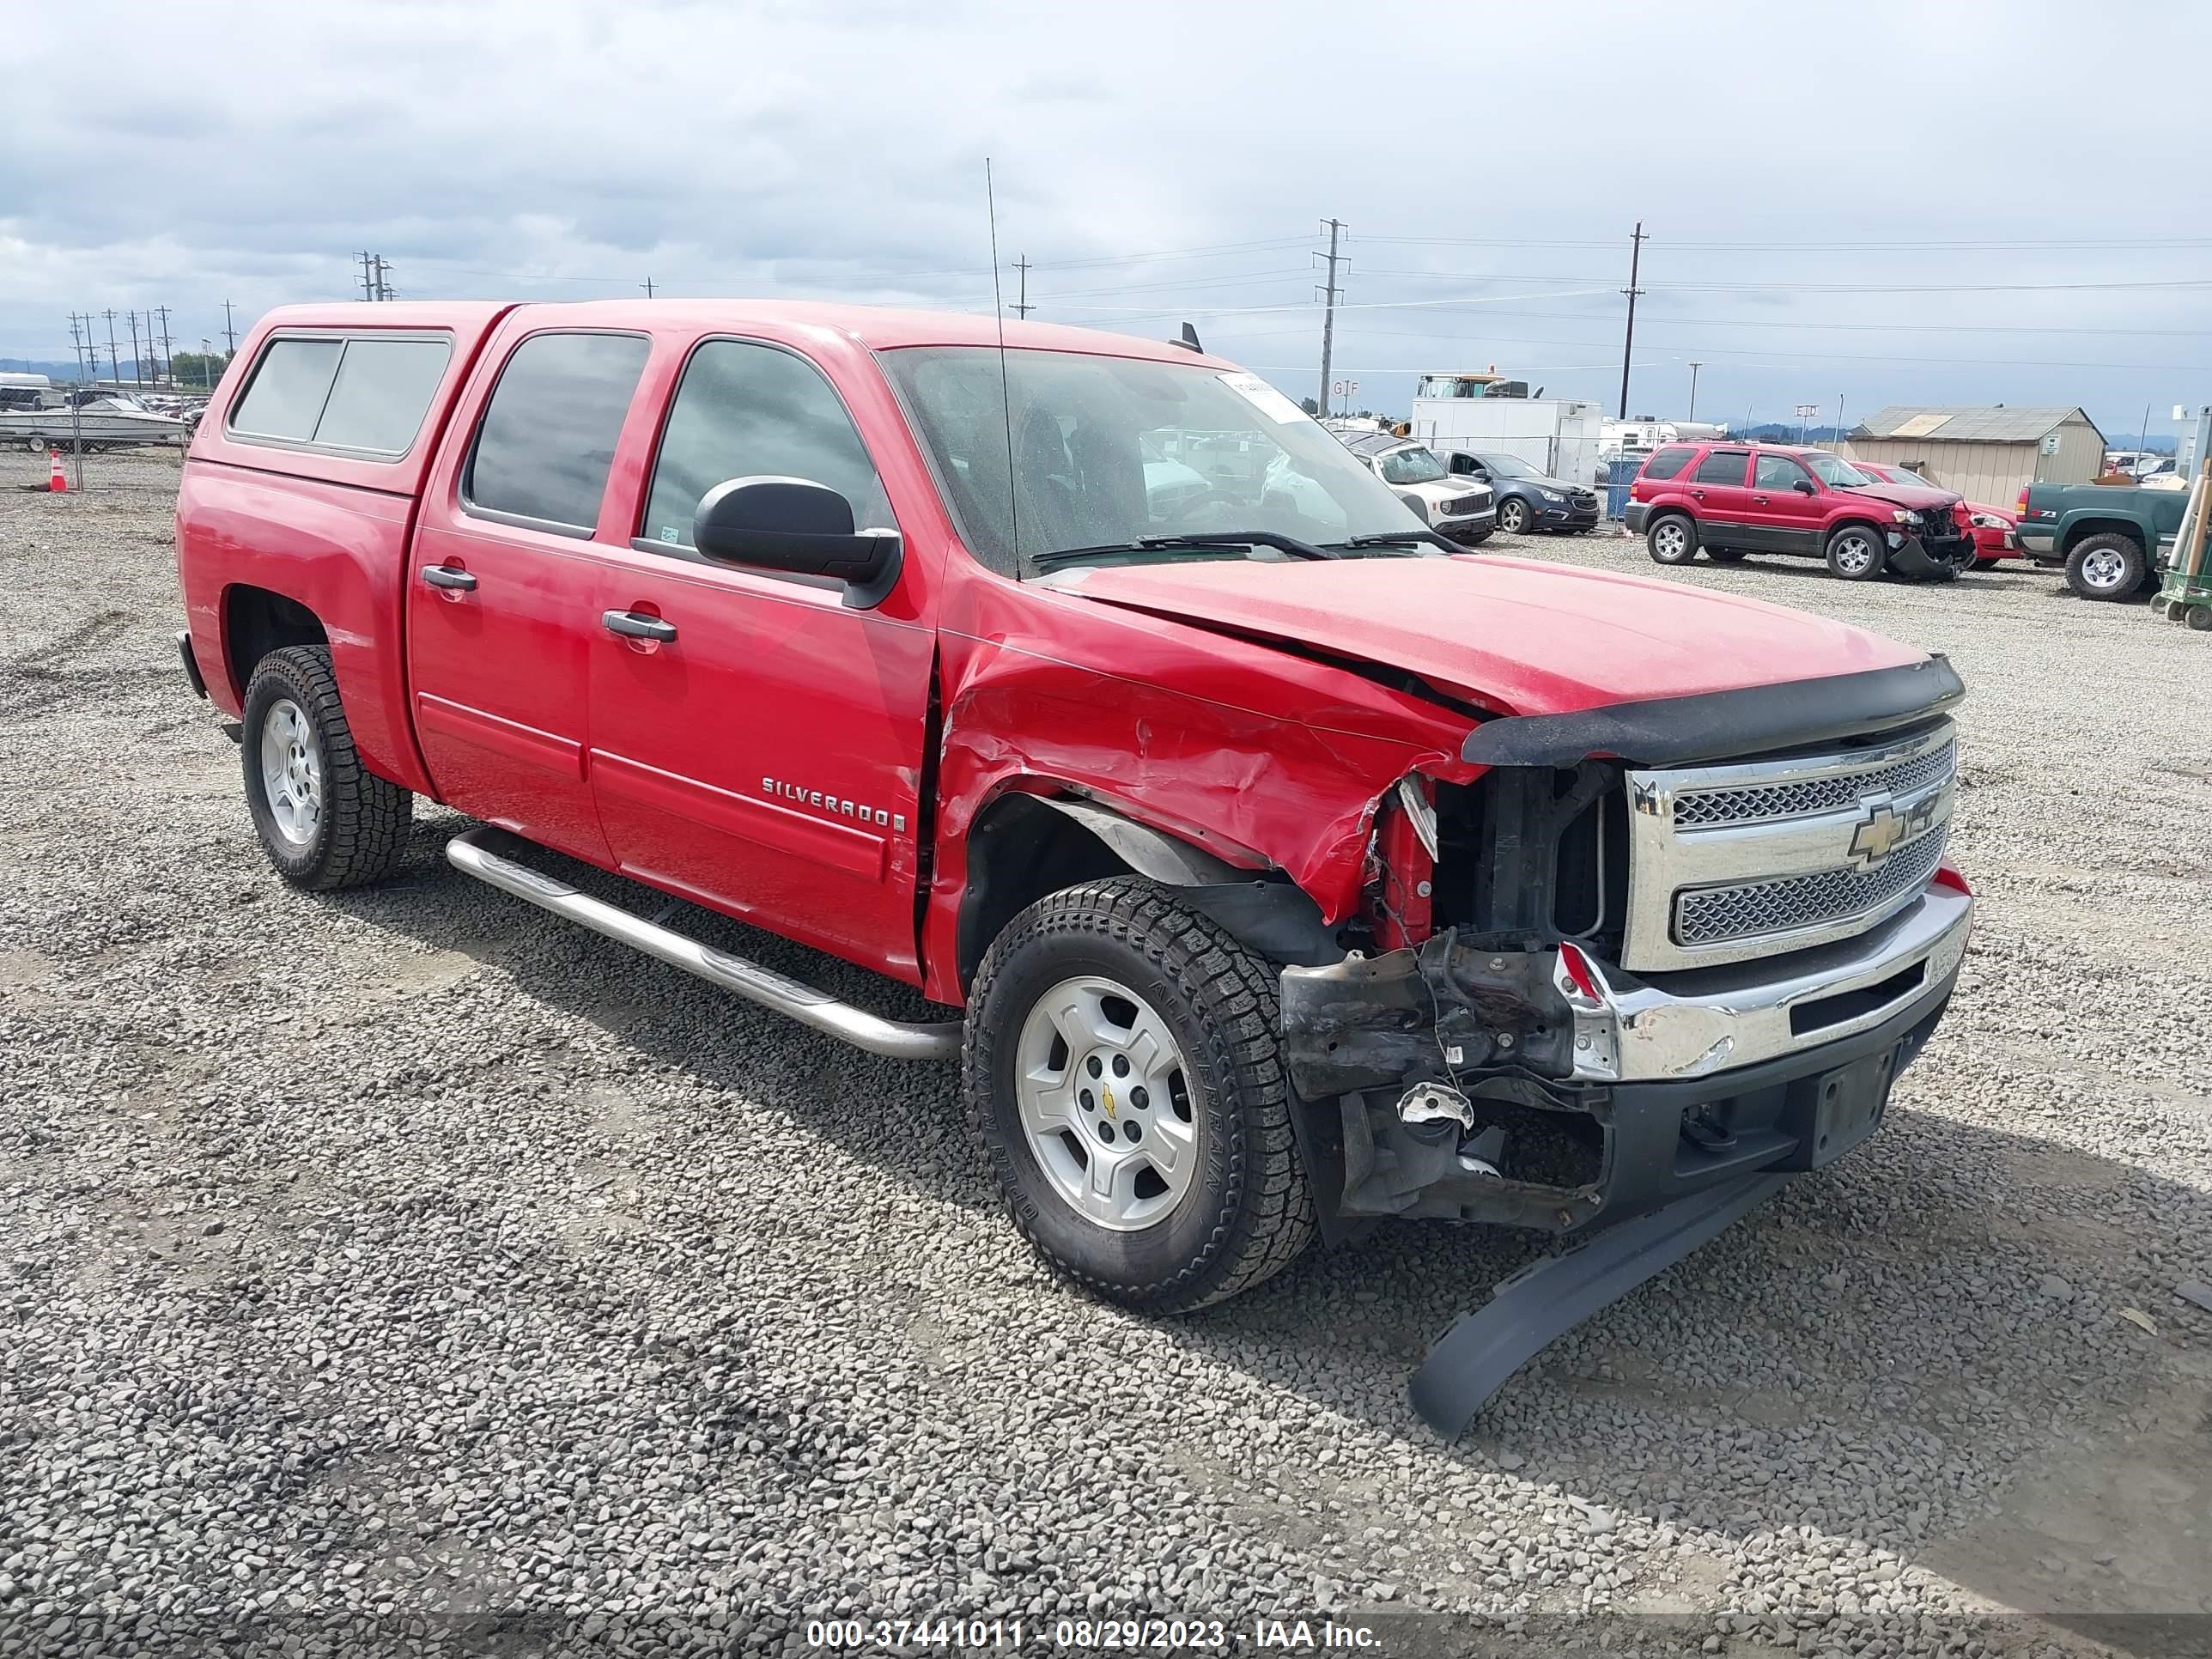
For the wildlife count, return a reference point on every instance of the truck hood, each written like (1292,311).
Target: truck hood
(1514,635)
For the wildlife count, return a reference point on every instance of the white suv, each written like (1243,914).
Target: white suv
(1458,509)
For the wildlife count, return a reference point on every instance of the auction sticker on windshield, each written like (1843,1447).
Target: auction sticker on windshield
(1264,397)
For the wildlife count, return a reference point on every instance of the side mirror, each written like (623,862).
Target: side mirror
(796,525)
(1805,487)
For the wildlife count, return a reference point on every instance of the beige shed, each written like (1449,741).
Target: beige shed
(1984,454)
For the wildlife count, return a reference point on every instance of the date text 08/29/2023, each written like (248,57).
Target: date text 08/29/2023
(1089,1635)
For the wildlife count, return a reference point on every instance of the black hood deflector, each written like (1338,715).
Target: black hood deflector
(1723,725)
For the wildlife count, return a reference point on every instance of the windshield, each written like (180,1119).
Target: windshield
(1509,466)
(1835,470)
(1906,475)
(1107,451)
(1411,465)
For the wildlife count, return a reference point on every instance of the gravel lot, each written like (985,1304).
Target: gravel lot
(407,1269)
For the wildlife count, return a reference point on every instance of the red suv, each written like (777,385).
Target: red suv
(1732,499)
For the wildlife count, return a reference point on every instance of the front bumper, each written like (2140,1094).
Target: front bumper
(1568,515)
(1614,1097)
(1909,555)
(1471,528)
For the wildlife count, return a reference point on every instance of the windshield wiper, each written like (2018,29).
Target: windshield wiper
(1400,538)
(1276,540)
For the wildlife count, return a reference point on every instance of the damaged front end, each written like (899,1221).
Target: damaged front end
(1494,1061)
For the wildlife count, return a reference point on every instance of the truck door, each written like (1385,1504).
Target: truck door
(757,742)
(501,585)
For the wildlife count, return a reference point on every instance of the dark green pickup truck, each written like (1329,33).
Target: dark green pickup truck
(2113,539)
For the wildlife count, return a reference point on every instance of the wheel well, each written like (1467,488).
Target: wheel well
(256,622)
(1019,850)
(1841,524)
(1024,847)
(2078,533)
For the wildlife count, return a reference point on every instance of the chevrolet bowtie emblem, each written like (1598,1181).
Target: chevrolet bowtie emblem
(1107,1089)
(1883,829)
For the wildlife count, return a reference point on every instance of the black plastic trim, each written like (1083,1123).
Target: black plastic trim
(1716,725)
(191,663)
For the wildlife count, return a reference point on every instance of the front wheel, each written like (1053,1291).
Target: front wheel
(1513,516)
(325,820)
(1122,1071)
(1855,553)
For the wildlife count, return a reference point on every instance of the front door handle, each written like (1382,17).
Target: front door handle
(631,625)
(1761,501)
(445,575)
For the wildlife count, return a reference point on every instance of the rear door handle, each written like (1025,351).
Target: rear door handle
(444,575)
(1699,493)
(631,625)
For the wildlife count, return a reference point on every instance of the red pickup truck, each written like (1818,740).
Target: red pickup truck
(1278,868)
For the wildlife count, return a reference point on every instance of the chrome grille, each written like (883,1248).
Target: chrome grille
(1741,859)
(1815,795)
(1711,915)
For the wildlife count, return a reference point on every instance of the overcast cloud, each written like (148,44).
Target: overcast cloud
(1489,160)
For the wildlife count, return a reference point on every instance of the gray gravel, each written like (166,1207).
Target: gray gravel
(405,1270)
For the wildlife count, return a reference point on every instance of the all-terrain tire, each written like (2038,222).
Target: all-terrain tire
(359,830)
(2107,567)
(1249,1211)
(1672,538)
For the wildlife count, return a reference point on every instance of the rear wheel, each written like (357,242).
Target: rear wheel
(1672,540)
(1122,1073)
(325,820)
(1855,553)
(2108,567)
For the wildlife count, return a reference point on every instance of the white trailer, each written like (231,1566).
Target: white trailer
(1559,436)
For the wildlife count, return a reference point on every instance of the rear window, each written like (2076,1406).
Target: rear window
(364,394)
(1667,462)
(547,441)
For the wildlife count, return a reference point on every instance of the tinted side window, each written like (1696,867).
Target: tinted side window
(1723,466)
(288,389)
(1778,472)
(548,436)
(745,410)
(1667,462)
(382,393)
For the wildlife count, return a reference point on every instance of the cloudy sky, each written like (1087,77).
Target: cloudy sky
(1955,203)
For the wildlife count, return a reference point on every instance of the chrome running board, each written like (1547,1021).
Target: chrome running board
(474,853)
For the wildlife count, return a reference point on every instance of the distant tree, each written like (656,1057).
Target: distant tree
(1309,405)
(198,370)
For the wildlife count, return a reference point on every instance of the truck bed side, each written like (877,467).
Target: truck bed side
(280,544)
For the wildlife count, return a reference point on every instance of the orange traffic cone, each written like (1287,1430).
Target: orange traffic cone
(55,482)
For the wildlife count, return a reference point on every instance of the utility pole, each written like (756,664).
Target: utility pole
(166,342)
(1335,228)
(138,360)
(368,281)
(383,270)
(1628,343)
(1022,306)
(75,351)
(114,367)
(229,334)
(1693,414)
(647,286)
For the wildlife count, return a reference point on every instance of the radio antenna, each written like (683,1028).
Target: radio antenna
(1006,396)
